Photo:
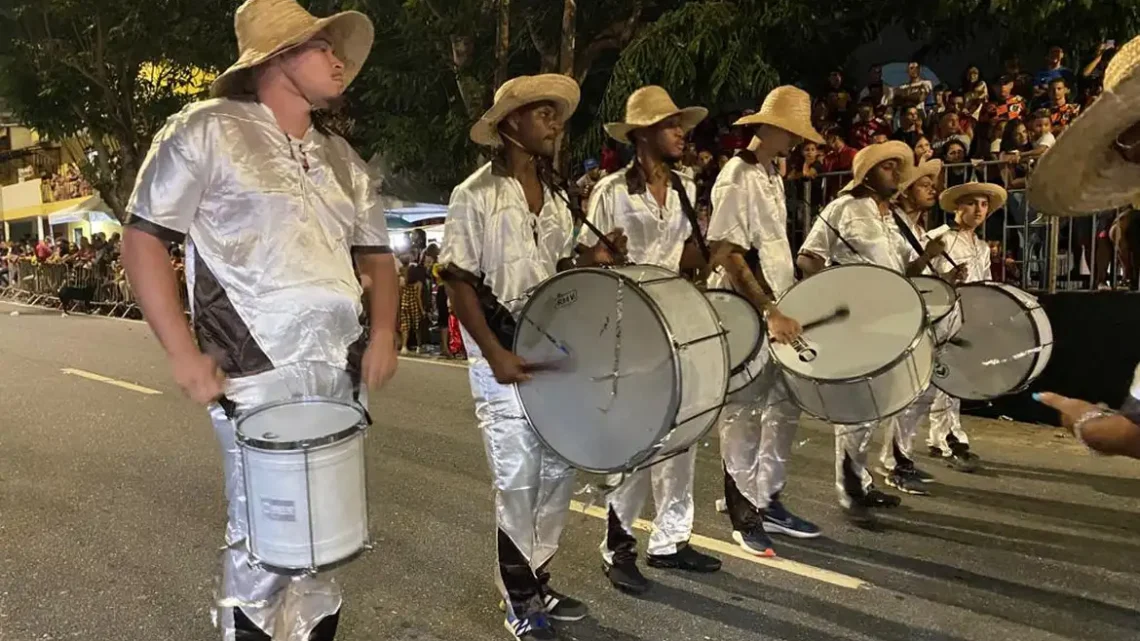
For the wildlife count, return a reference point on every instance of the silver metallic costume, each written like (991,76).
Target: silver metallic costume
(871,237)
(758,426)
(656,236)
(270,224)
(491,232)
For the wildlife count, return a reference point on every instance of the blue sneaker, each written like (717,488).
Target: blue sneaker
(778,520)
(530,626)
(755,542)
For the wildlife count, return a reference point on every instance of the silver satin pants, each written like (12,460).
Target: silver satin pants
(533,485)
(902,428)
(286,608)
(757,431)
(852,444)
(945,419)
(671,482)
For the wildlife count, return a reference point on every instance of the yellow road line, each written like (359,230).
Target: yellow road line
(110,381)
(733,550)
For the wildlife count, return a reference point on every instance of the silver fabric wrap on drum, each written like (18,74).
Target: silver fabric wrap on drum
(656,233)
(902,428)
(657,236)
(749,210)
(966,248)
(945,419)
(875,237)
(758,427)
(756,437)
(491,232)
(274,237)
(286,608)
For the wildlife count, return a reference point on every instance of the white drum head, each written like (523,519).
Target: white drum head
(938,296)
(1004,343)
(287,424)
(742,322)
(571,323)
(885,318)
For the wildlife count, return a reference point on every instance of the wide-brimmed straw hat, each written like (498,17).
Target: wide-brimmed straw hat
(948,201)
(557,89)
(872,155)
(268,28)
(788,108)
(1082,173)
(647,107)
(929,168)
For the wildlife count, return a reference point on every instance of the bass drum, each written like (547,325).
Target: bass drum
(943,307)
(632,366)
(747,340)
(1004,345)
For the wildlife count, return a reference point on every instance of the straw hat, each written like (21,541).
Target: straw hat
(267,28)
(788,108)
(948,201)
(647,107)
(519,92)
(872,155)
(1082,173)
(929,168)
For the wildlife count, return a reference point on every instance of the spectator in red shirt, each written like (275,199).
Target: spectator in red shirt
(1010,105)
(840,157)
(1061,111)
(867,125)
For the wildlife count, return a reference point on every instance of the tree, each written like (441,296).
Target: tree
(109,73)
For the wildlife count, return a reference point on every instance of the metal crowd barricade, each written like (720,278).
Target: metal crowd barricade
(41,283)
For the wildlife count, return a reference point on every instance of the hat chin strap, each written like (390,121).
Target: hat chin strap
(518,144)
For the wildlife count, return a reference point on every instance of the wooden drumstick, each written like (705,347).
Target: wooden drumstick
(840,313)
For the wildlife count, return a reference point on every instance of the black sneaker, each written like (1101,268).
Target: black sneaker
(563,608)
(918,475)
(963,461)
(860,515)
(876,499)
(778,520)
(626,577)
(755,541)
(935,452)
(532,625)
(906,483)
(685,558)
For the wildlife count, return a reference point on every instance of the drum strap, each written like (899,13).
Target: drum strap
(907,233)
(838,235)
(691,214)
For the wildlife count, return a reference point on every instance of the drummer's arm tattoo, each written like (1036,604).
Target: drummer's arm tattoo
(465,304)
(731,257)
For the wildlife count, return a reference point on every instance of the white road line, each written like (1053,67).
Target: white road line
(733,550)
(110,381)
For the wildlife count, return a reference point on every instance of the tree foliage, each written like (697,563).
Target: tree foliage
(110,72)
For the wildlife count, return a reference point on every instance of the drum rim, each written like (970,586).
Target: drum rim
(1027,379)
(324,567)
(301,444)
(674,363)
(923,327)
(933,360)
(957,297)
(759,340)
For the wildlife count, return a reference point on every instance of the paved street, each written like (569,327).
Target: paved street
(111,514)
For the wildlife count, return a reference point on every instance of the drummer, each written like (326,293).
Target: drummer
(273,210)
(1093,168)
(654,205)
(857,227)
(971,203)
(750,212)
(507,231)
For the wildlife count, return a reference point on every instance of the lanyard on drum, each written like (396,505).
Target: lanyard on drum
(838,235)
(561,188)
(913,240)
(691,214)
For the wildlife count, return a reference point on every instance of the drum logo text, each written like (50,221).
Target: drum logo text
(805,352)
(565,299)
(278,510)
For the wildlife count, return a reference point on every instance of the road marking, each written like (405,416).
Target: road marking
(733,550)
(110,381)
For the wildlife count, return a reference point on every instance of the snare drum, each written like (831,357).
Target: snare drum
(747,337)
(1005,343)
(635,366)
(305,489)
(866,366)
(943,307)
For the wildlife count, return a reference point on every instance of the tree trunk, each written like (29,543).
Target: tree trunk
(566,55)
(503,43)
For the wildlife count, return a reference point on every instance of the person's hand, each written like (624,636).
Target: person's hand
(602,253)
(1071,409)
(378,365)
(508,367)
(934,247)
(958,275)
(783,329)
(199,377)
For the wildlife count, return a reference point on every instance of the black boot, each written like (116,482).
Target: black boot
(326,629)
(623,571)
(245,630)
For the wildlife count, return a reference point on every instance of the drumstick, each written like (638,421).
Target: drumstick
(547,366)
(839,314)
